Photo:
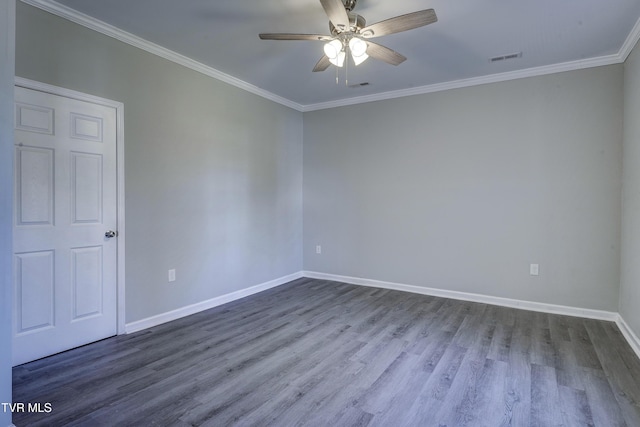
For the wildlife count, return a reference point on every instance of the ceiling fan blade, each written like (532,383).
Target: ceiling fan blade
(400,23)
(385,54)
(337,14)
(323,64)
(287,36)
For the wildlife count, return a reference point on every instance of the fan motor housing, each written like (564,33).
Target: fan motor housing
(356,23)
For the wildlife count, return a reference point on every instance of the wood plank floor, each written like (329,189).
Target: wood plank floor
(323,353)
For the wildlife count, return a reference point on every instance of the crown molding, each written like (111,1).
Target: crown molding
(73,15)
(87,21)
(630,42)
(474,81)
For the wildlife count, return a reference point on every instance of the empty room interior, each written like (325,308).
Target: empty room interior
(447,234)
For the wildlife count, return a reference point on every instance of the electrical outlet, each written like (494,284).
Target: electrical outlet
(172,275)
(318,249)
(534,269)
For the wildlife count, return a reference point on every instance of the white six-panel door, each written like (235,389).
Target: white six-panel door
(65,201)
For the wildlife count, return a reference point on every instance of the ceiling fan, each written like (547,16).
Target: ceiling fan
(349,32)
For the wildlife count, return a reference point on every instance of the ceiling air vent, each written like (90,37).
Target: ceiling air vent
(357,85)
(506,57)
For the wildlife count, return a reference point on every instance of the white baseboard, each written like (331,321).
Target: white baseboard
(627,332)
(629,335)
(205,305)
(611,316)
(465,296)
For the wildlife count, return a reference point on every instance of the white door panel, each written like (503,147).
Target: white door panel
(65,201)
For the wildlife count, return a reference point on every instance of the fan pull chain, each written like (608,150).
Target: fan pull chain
(346,70)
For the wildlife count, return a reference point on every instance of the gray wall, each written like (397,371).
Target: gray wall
(7,22)
(463,189)
(213,173)
(630,266)
(457,190)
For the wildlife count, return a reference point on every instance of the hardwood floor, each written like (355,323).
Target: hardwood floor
(321,353)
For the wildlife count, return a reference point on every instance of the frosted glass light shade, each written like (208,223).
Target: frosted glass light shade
(357,46)
(335,52)
(359,59)
(333,49)
(358,50)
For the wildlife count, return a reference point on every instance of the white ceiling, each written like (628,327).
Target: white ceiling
(553,35)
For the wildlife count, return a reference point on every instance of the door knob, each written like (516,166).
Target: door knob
(109,234)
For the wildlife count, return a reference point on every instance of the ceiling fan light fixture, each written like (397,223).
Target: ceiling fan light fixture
(357,46)
(359,59)
(335,52)
(339,61)
(333,49)
(350,30)
(358,49)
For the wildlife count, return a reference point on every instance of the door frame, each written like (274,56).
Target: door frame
(119,107)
